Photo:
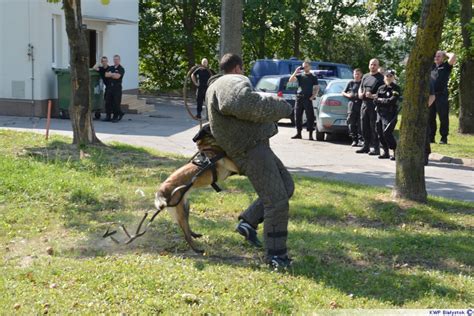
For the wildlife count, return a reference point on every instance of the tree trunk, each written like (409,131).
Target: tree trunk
(297,30)
(80,109)
(231,27)
(466,93)
(410,171)
(189,22)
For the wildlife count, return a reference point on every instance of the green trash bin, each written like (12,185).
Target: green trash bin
(64,91)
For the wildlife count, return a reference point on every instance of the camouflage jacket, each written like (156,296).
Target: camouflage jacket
(239,117)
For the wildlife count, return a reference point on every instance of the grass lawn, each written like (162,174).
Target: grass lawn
(459,145)
(353,247)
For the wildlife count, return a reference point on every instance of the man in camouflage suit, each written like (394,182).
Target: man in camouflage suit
(242,122)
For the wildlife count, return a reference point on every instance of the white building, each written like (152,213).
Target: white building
(26,83)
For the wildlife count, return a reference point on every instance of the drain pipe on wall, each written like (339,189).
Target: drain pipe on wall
(31,56)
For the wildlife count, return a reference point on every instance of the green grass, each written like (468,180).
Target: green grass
(353,247)
(459,145)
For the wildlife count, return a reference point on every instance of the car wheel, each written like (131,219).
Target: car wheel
(319,135)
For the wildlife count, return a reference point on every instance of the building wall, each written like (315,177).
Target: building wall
(31,21)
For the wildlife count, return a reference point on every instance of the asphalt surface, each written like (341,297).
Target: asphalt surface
(170,129)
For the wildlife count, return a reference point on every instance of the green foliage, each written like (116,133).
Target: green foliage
(162,41)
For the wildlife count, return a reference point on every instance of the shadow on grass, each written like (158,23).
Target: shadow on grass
(99,158)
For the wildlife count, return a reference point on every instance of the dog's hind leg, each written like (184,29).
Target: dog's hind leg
(182,219)
(186,212)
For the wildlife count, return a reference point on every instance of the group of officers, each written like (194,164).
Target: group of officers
(111,77)
(373,105)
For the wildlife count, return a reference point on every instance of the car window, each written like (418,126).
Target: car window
(345,73)
(289,86)
(322,86)
(268,84)
(336,87)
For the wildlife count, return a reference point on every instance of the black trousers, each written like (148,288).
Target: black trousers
(368,125)
(353,120)
(386,122)
(304,103)
(274,186)
(200,96)
(440,106)
(108,102)
(114,99)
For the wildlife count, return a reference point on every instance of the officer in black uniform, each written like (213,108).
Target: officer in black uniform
(371,82)
(115,74)
(102,69)
(431,99)
(308,88)
(386,107)
(440,72)
(353,110)
(200,77)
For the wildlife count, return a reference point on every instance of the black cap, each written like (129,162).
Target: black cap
(390,72)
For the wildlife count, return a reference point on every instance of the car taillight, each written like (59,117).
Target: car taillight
(331,103)
(280,94)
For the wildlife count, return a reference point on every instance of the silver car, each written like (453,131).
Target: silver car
(331,110)
(278,85)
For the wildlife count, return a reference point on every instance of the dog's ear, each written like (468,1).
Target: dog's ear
(203,132)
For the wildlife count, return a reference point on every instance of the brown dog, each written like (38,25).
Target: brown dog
(172,193)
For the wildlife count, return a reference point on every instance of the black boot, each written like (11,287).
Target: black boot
(107,118)
(297,136)
(311,135)
(363,150)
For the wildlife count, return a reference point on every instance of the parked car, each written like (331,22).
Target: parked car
(267,67)
(278,85)
(331,110)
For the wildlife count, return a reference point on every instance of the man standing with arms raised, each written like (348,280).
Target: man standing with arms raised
(371,82)
(242,123)
(308,88)
(440,72)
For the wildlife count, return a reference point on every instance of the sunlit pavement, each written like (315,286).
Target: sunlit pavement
(170,129)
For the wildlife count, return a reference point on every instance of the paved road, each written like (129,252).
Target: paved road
(169,129)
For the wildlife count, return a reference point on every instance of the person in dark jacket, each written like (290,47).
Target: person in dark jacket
(368,88)
(115,74)
(102,69)
(386,107)
(242,122)
(353,109)
(440,72)
(308,88)
(200,77)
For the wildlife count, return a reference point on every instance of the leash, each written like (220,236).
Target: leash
(204,165)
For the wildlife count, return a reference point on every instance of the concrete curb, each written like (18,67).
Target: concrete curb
(459,161)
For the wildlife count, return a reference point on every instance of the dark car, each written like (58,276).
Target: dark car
(267,67)
(278,85)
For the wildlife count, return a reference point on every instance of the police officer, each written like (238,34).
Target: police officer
(102,69)
(386,107)
(115,74)
(200,77)
(353,111)
(308,88)
(440,72)
(371,82)
(431,100)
